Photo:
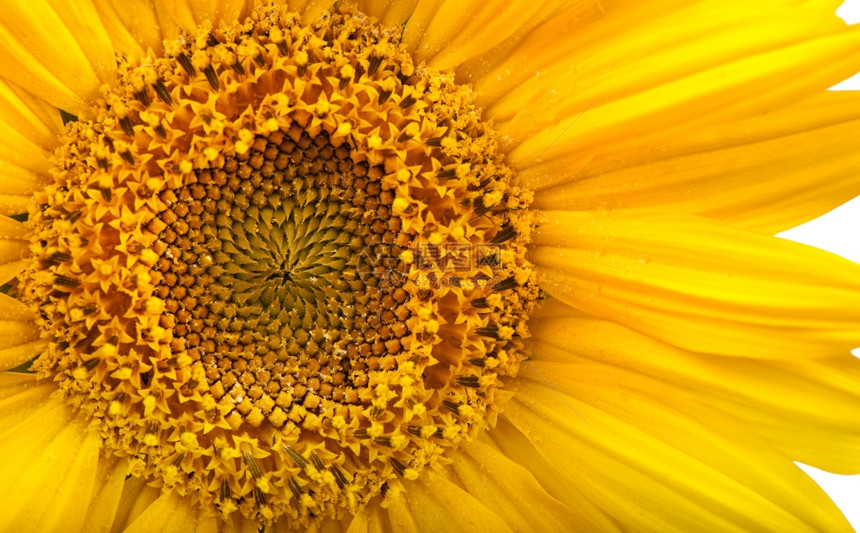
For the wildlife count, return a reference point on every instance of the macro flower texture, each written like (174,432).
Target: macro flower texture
(424,265)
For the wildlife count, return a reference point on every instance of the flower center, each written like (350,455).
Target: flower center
(282,268)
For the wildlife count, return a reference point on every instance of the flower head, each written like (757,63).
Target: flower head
(439,267)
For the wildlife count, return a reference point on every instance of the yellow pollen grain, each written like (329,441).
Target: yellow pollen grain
(403,175)
(189,439)
(458,232)
(343,129)
(400,205)
(154,306)
(148,256)
(149,403)
(153,184)
(122,373)
(374,142)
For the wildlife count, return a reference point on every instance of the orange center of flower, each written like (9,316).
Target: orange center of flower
(282,267)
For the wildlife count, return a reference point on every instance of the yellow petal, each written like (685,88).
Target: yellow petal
(313,9)
(667,44)
(654,467)
(19,335)
(418,21)
(438,504)
(399,517)
(433,503)
(110,479)
(14,248)
(807,409)
(13,204)
(321,525)
(188,14)
(768,173)
(502,485)
(309,10)
(20,393)
(573,112)
(133,26)
(136,497)
(701,285)
(83,21)
(461,30)
(372,518)
(389,12)
(57,49)
(505,437)
(510,64)
(170,513)
(49,470)
(30,117)
(30,129)
(29,132)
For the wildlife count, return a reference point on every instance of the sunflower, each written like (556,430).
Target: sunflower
(424,265)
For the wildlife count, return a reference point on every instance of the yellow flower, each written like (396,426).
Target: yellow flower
(424,265)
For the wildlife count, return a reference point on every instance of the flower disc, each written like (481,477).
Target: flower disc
(282,267)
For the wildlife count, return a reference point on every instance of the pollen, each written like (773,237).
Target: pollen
(283,268)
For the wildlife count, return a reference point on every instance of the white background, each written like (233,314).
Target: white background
(838,232)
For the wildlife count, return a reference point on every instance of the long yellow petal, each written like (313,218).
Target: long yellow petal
(808,409)
(389,12)
(19,392)
(29,132)
(438,504)
(30,127)
(49,470)
(57,49)
(170,512)
(502,484)
(102,509)
(188,14)
(173,513)
(702,285)
(17,185)
(132,25)
(14,249)
(81,18)
(557,123)
(505,437)
(769,173)
(19,336)
(419,20)
(460,31)
(374,519)
(29,116)
(136,497)
(395,518)
(667,46)
(322,525)
(644,461)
